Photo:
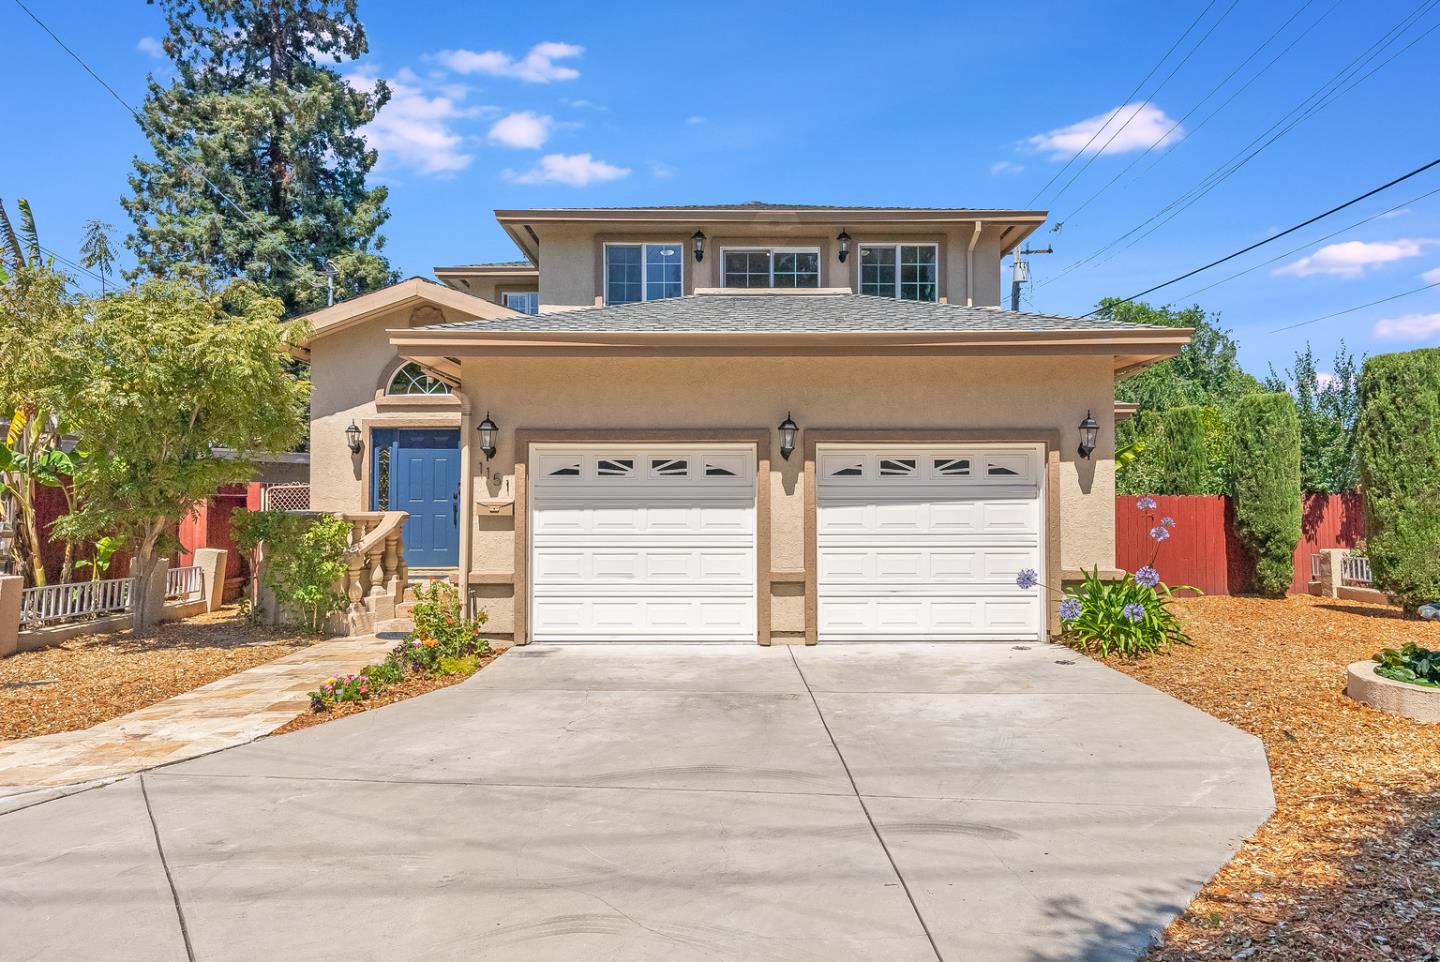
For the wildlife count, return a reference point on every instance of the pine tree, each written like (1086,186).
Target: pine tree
(253,112)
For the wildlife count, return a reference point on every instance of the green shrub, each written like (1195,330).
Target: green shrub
(457,664)
(1410,663)
(1181,452)
(1400,473)
(304,557)
(388,672)
(1184,450)
(1265,472)
(1125,617)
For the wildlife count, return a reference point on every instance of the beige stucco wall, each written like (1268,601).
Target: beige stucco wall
(941,393)
(489,287)
(571,255)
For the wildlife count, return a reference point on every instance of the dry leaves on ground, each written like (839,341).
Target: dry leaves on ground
(93,678)
(409,688)
(1348,867)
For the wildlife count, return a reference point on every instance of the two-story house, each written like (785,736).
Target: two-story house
(748,423)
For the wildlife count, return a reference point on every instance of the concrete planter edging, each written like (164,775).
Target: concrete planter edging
(1397,697)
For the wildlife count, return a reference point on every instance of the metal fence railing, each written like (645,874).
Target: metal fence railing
(1355,569)
(285,497)
(54,604)
(183,582)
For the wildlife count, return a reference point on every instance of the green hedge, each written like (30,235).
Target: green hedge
(1182,452)
(1265,472)
(1400,472)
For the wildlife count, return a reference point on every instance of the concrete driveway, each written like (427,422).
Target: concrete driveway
(665,802)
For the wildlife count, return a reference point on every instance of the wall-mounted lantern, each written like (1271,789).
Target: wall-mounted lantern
(352,438)
(697,241)
(844,240)
(488,430)
(788,429)
(1088,430)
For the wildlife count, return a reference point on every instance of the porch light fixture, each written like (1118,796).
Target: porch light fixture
(352,438)
(1088,430)
(844,240)
(488,430)
(788,428)
(697,240)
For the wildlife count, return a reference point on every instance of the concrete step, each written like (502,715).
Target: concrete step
(396,628)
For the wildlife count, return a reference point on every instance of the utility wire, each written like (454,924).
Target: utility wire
(1295,250)
(69,263)
(1305,108)
(1361,307)
(1129,97)
(249,217)
(1148,98)
(1289,230)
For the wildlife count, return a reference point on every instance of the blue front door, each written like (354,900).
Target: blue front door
(419,471)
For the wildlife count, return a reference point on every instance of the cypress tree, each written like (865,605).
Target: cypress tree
(1265,468)
(254,112)
(1399,442)
(1183,452)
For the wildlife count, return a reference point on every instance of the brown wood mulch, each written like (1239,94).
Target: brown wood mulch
(93,678)
(1348,867)
(389,695)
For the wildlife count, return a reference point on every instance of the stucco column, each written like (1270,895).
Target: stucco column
(467,495)
(11,587)
(211,562)
(1331,571)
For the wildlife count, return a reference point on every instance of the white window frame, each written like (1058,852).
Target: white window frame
(771,252)
(895,245)
(506,295)
(644,268)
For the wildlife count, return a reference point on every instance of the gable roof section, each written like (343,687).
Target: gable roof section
(823,322)
(407,293)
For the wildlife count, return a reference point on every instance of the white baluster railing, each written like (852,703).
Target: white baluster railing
(1356,569)
(54,604)
(183,582)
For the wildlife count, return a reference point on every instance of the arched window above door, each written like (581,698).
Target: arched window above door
(414,379)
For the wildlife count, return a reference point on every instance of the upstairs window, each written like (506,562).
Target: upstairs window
(526,302)
(906,271)
(775,267)
(414,379)
(643,272)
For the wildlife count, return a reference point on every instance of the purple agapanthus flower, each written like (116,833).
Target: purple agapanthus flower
(1147,577)
(1159,532)
(1070,609)
(1134,611)
(1146,503)
(1167,522)
(1027,579)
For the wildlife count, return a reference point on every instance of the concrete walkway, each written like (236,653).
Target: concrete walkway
(666,802)
(232,711)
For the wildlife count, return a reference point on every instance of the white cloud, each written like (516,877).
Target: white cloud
(661,170)
(695,119)
(1409,327)
(1432,276)
(1401,212)
(524,130)
(1324,379)
(150,47)
(1005,167)
(415,130)
(1143,126)
(583,104)
(537,66)
(1353,258)
(574,170)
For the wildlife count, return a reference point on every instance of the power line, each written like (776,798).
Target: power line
(69,263)
(1148,98)
(1289,230)
(1306,109)
(1295,250)
(1361,307)
(1129,97)
(174,155)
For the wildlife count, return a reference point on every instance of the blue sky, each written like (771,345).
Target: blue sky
(518,105)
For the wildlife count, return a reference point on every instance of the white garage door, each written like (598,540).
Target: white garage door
(643,543)
(923,543)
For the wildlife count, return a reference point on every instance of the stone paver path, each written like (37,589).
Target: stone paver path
(222,714)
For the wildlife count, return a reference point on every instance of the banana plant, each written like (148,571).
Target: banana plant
(105,549)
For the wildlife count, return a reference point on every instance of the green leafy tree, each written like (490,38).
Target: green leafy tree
(1329,409)
(96,251)
(1182,453)
(253,111)
(304,558)
(1400,473)
(165,374)
(1265,466)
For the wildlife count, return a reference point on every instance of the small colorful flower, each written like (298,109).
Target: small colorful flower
(1147,577)
(1159,532)
(1167,521)
(1146,503)
(430,642)
(1027,579)
(1070,609)
(1134,611)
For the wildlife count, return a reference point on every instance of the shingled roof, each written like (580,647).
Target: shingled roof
(786,314)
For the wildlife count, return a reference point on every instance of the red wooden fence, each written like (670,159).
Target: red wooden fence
(1202,549)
